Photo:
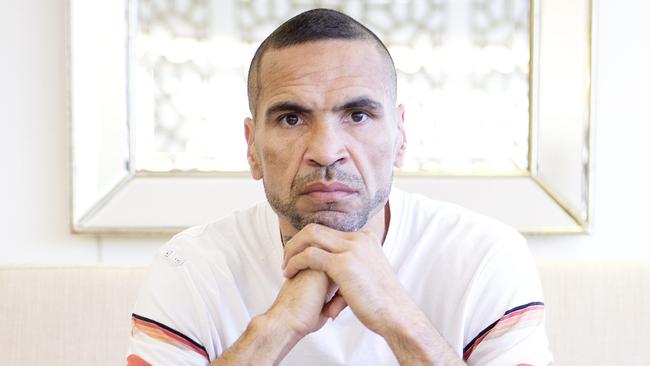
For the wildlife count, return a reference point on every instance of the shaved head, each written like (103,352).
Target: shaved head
(313,26)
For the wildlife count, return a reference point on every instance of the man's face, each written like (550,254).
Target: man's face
(326,133)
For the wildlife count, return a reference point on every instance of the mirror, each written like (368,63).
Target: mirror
(497,95)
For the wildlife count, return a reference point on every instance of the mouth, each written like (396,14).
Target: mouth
(327,193)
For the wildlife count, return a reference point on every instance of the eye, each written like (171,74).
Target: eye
(358,117)
(290,119)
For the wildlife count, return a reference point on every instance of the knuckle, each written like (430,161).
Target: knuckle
(350,243)
(310,252)
(311,227)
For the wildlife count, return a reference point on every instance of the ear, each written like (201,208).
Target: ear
(251,152)
(400,141)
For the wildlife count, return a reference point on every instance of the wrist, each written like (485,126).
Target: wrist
(399,317)
(297,311)
(399,328)
(268,341)
(410,336)
(278,321)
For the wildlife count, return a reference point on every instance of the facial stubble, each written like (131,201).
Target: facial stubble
(329,214)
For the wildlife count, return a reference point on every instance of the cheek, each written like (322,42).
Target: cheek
(279,161)
(272,159)
(382,148)
(384,160)
(377,161)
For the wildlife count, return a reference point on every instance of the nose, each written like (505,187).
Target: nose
(326,145)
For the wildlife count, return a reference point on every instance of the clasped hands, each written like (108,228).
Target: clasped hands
(328,270)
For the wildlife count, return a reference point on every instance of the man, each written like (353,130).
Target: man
(336,269)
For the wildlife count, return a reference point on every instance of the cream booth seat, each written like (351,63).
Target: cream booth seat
(598,313)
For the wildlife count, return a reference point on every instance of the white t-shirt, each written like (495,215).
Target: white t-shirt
(472,276)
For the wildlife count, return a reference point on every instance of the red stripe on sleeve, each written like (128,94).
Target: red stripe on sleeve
(135,360)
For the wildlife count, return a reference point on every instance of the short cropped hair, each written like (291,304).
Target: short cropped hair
(310,26)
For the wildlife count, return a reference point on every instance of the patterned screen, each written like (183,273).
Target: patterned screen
(462,75)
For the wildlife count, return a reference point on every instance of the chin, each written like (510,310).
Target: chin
(341,221)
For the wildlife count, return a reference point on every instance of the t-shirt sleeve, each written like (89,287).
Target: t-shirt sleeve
(169,325)
(505,322)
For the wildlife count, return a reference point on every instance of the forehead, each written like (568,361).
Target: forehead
(323,68)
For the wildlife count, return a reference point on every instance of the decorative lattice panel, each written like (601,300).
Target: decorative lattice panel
(462,75)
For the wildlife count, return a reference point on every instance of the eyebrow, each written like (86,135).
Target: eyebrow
(287,107)
(361,103)
(357,103)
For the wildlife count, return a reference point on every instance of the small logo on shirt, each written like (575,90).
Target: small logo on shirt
(173,256)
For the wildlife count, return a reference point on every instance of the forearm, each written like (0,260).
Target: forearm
(270,336)
(414,341)
(266,341)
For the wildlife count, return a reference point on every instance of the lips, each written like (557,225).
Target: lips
(332,187)
(328,192)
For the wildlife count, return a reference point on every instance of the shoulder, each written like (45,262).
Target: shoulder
(460,228)
(220,242)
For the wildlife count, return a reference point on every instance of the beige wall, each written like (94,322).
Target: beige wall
(34,145)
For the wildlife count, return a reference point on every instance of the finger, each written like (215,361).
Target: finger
(311,257)
(315,235)
(333,308)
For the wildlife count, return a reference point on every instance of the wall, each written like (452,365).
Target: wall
(622,119)
(34,144)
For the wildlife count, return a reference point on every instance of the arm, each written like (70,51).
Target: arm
(171,325)
(506,320)
(368,284)
(295,313)
(266,339)
(414,341)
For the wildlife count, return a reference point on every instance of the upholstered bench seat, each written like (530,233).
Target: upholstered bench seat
(598,313)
